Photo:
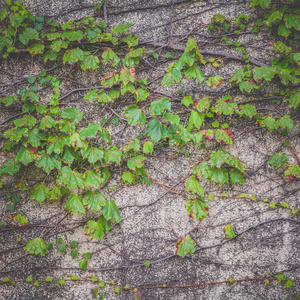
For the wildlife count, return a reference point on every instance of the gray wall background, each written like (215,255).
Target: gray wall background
(153,218)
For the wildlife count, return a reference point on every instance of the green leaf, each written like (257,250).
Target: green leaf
(185,245)
(25,156)
(27,35)
(8,100)
(86,255)
(285,122)
(111,211)
(11,167)
(94,230)
(131,40)
(158,107)
(288,284)
(48,162)
(224,135)
(48,279)
(69,155)
(134,115)
(70,178)
(128,177)
(136,162)
(148,147)
(83,264)
(225,106)
(211,197)
(21,220)
(109,54)
(29,279)
(198,208)
(47,122)
(72,35)
(61,281)
(278,160)
(92,154)
(264,73)
(237,176)
(75,205)
(94,200)
(196,119)
(73,244)
(202,105)
(193,186)
(155,130)
(186,101)
(61,247)
(280,277)
(57,143)
(114,155)
(36,283)
(247,110)
(121,28)
(74,253)
(94,178)
(37,247)
(293,97)
(39,192)
(215,81)
(27,121)
(268,122)
(101,283)
(229,231)
(72,113)
(292,172)
(147,263)
(57,45)
(73,56)
(3,14)
(194,72)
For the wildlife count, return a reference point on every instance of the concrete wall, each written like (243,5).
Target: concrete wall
(153,218)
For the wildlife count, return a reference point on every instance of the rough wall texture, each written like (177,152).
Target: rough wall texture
(152,217)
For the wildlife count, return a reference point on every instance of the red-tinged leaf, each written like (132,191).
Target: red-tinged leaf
(10,167)
(134,115)
(37,247)
(94,230)
(292,172)
(225,106)
(293,98)
(197,207)
(21,220)
(136,162)
(185,245)
(8,100)
(224,135)
(107,55)
(193,186)
(215,81)
(247,110)
(94,200)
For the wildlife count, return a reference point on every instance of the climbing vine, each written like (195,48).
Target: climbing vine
(73,158)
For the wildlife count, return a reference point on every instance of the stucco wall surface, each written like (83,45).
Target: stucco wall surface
(153,218)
